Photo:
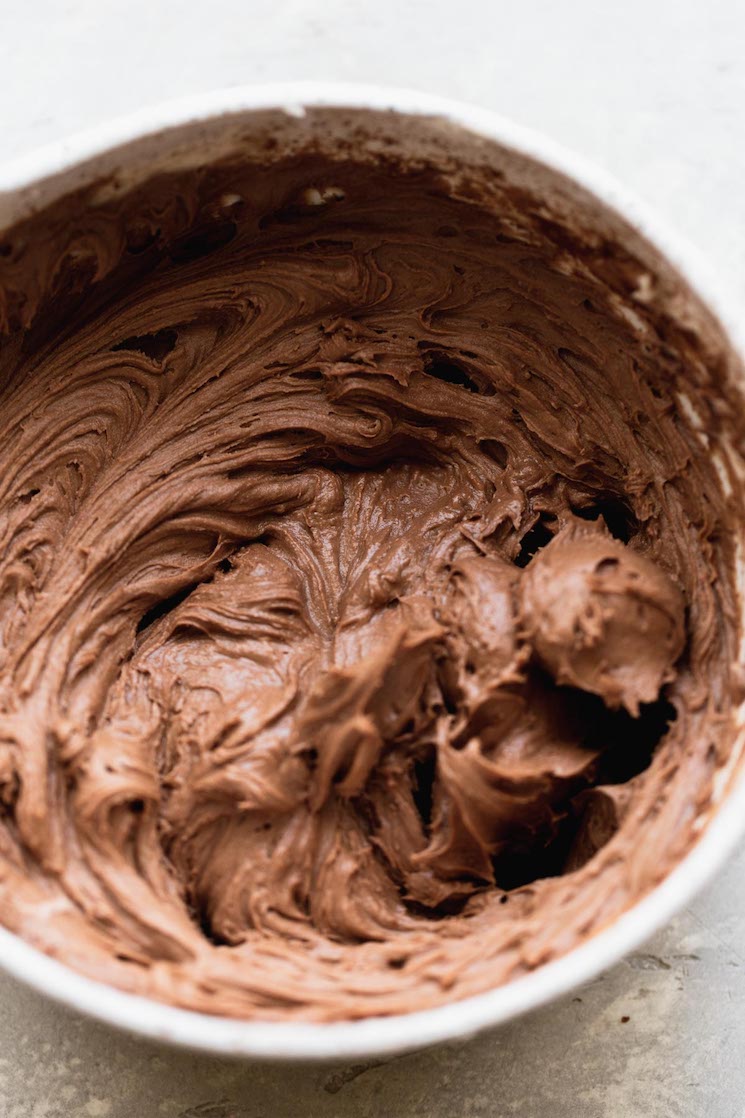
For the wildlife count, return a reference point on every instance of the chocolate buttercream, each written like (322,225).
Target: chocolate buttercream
(367,596)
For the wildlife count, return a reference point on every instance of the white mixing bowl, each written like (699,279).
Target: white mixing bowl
(193,132)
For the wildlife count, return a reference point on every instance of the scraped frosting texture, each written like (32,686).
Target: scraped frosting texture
(366,589)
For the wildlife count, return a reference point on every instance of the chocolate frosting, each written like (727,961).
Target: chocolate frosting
(366,590)
(603,618)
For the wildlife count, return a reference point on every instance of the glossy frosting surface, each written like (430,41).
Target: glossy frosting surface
(366,590)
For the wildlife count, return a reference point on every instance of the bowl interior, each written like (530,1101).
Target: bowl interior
(590,225)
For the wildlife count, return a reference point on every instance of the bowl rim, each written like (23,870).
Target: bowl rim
(375,1036)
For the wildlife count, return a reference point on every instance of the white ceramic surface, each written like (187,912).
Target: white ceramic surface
(35,179)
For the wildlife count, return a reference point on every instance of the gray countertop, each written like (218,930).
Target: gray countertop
(655,91)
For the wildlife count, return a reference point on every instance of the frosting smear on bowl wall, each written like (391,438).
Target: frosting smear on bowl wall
(367,589)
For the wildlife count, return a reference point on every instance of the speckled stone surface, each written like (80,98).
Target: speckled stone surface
(655,91)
